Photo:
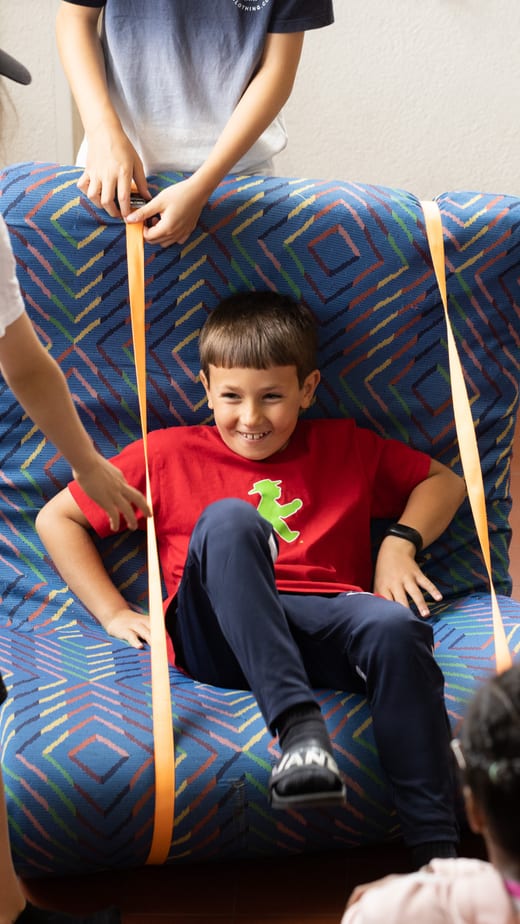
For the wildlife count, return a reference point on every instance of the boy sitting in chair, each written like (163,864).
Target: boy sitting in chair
(263,528)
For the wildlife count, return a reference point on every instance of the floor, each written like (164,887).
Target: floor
(300,890)
(307,890)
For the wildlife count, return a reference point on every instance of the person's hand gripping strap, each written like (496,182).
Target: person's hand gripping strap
(164,752)
(465,427)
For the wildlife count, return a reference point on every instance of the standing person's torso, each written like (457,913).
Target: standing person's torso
(176,70)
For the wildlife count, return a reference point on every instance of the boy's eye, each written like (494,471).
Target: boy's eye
(234,396)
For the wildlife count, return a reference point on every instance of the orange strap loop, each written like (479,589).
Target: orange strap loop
(466,431)
(161,694)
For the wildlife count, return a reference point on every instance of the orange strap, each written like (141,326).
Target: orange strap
(161,694)
(466,430)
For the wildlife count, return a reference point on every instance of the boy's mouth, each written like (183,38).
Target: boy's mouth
(252,437)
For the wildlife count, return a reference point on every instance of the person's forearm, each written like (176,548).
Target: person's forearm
(433,504)
(78,561)
(82,59)
(262,101)
(41,389)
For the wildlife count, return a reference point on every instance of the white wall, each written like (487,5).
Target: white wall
(422,94)
(41,127)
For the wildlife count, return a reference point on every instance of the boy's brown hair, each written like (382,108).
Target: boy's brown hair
(256,330)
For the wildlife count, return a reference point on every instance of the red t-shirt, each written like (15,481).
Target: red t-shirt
(320,494)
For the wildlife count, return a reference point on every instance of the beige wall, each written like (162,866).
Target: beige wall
(41,128)
(422,94)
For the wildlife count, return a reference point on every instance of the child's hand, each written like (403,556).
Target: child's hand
(107,486)
(173,213)
(130,627)
(398,576)
(112,165)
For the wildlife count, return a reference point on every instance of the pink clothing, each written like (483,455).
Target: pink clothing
(458,891)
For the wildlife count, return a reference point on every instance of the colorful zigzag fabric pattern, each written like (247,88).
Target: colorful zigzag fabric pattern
(75,733)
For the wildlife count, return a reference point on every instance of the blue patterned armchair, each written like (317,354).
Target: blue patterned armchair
(75,733)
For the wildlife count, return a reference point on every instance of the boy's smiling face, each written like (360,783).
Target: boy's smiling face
(256,410)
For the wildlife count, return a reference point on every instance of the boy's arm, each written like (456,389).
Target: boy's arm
(179,206)
(112,161)
(41,388)
(430,508)
(64,531)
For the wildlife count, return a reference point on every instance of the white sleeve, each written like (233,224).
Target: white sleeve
(11,301)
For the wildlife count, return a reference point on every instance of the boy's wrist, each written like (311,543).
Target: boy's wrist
(204,181)
(103,119)
(111,616)
(401,531)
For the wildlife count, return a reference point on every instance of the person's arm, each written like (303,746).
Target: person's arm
(65,533)
(41,388)
(430,508)
(112,161)
(179,206)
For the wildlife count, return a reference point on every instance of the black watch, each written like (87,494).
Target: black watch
(406,532)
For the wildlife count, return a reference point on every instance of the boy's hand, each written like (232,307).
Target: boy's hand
(130,627)
(112,165)
(398,576)
(172,214)
(107,486)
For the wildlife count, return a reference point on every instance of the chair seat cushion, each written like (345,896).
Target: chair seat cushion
(77,751)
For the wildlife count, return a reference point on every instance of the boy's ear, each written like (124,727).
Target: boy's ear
(206,387)
(309,387)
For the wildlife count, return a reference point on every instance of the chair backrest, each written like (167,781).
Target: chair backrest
(357,255)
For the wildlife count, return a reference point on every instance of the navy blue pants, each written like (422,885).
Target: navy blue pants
(232,628)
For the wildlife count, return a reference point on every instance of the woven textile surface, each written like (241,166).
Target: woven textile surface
(75,733)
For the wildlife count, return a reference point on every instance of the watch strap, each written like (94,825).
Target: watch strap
(401,531)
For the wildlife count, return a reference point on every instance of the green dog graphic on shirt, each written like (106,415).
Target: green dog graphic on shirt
(275,513)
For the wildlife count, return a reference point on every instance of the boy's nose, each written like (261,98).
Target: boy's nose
(251,414)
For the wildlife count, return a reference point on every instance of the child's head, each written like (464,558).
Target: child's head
(490,744)
(256,330)
(258,366)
